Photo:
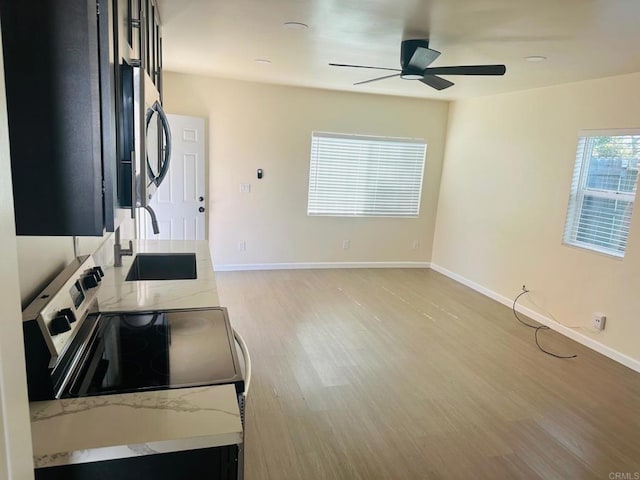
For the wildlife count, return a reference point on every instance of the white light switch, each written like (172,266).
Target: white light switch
(245,188)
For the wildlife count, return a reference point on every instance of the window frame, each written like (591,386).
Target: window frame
(580,190)
(362,212)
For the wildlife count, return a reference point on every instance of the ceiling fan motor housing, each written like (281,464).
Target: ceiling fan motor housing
(407,50)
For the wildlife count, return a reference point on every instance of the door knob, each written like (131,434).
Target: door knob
(201,209)
(201,199)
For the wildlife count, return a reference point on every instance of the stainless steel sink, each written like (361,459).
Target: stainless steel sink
(163,266)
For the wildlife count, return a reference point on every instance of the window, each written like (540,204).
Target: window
(352,175)
(603,191)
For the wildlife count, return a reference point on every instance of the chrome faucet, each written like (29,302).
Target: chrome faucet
(154,219)
(118,251)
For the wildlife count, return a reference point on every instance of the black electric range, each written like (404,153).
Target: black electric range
(73,350)
(137,351)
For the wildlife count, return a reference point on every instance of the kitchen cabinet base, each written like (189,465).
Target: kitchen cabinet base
(219,463)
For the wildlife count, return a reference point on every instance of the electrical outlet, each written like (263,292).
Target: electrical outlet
(346,244)
(245,188)
(415,245)
(598,321)
(242,246)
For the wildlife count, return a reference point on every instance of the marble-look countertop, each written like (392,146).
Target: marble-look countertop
(116,294)
(89,429)
(107,427)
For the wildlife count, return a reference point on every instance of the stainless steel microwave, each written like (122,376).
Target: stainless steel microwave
(145,139)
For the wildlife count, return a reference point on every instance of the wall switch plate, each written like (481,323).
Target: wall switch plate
(598,321)
(242,246)
(245,188)
(346,244)
(415,245)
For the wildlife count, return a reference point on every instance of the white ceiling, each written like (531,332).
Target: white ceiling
(582,39)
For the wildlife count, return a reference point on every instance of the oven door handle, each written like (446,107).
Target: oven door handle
(247,360)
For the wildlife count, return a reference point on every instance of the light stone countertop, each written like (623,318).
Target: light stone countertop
(107,427)
(88,429)
(116,294)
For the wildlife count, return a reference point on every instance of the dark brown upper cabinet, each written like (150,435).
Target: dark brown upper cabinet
(60,73)
(153,44)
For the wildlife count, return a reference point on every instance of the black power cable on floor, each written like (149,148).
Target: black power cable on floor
(536,328)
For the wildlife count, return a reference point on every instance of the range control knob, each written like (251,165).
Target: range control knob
(99,271)
(89,281)
(67,312)
(59,324)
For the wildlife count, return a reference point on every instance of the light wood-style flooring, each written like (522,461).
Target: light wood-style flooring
(405,374)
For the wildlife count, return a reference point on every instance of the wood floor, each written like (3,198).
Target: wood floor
(405,374)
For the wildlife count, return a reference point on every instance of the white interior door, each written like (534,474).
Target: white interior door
(180,201)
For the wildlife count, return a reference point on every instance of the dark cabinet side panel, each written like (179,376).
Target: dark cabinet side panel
(108,48)
(53,101)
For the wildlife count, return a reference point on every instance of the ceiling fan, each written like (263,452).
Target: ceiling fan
(415,58)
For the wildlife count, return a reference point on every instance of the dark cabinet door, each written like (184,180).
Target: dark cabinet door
(153,49)
(108,55)
(129,29)
(59,157)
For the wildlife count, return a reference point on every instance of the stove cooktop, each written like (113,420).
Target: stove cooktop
(135,351)
(71,349)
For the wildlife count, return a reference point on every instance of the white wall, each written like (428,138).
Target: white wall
(253,126)
(40,259)
(15,429)
(504,194)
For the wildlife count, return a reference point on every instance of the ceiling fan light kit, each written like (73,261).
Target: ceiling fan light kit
(415,58)
(411,76)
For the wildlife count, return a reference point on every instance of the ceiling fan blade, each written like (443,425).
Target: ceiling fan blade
(436,82)
(422,58)
(363,66)
(467,70)
(379,78)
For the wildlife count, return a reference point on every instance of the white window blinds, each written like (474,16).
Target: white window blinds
(362,176)
(603,190)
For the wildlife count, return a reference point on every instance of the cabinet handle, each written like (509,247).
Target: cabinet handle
(201,199)
(201,209)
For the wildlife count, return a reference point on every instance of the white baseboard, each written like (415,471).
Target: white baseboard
(619,357)
(318,265)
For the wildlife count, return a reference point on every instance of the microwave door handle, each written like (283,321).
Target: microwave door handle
(167,148)
(152,176)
